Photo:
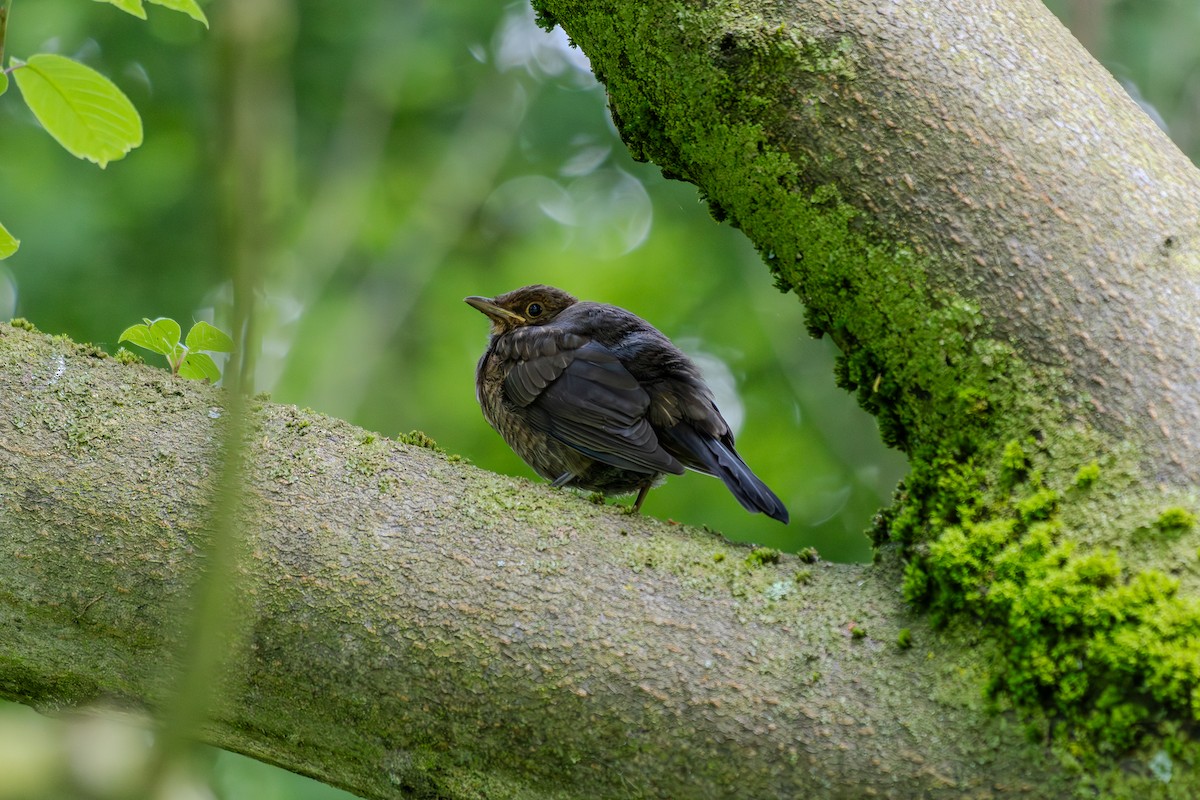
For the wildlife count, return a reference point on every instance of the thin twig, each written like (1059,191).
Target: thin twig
(5,8)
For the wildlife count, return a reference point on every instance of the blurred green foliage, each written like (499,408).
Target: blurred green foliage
(410,154)
(415,154)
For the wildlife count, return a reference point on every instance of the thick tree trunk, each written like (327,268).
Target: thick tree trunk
(1005,250)
(978,136)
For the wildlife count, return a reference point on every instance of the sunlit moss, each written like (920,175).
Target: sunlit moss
(1087,475)
(1175,521)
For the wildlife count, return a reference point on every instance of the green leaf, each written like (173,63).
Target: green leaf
(8,245)
(3,82)
(159,336)
(188,7)
(128,6)
(200,367)
(203,336)
(79,107)
(139,335)
(135,7)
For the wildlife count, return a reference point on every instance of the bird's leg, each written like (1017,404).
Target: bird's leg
(637,504)
(562,480)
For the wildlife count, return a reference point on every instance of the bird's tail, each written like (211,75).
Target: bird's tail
(718,459)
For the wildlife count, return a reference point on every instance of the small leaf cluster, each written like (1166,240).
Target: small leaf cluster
(162,336)
(81,109)
(137,9)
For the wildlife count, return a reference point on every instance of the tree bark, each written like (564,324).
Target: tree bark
(978,135)
(1005,250)
(415,627)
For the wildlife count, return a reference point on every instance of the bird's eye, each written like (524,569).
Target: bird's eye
(533,310)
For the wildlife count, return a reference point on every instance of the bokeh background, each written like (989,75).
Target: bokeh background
(368,164)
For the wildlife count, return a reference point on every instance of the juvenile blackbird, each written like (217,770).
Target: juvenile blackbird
(592,396)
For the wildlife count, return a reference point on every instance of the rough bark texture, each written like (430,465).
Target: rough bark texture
(1005,250)
(978,134)
(418,628)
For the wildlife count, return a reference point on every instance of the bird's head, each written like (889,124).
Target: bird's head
(529,305)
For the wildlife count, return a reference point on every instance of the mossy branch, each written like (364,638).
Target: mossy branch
(415,627)
(1002,246)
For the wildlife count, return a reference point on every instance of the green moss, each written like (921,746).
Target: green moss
(92,350)
(419,439)
(23,324)
(1014,464)
(1040,505)
(1107,653)
(857,632)
(42,691)
(1087,475)
(904,639)
(127,357)
(1175,522)
(760,556)
(718,557)
(808,555)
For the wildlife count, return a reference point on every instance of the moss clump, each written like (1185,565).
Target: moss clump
(1040,505)
(904,639)
(808,555)
(1014,464)
(1108,654)
(1087,475)
(419,439)
(23,324)
(761,556)
(1175,522)
(127,357)
(857,632)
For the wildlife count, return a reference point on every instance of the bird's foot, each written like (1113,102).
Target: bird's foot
(637,504)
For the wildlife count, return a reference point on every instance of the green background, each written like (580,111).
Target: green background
(414,153)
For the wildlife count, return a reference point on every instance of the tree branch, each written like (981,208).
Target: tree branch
(419,628)
(998,241)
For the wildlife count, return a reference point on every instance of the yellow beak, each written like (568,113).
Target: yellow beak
(501,316)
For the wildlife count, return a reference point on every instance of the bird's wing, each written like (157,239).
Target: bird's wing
(585,398)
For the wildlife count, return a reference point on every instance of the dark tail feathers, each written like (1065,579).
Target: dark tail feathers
(705,454)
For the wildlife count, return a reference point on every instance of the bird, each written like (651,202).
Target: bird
(594,397)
